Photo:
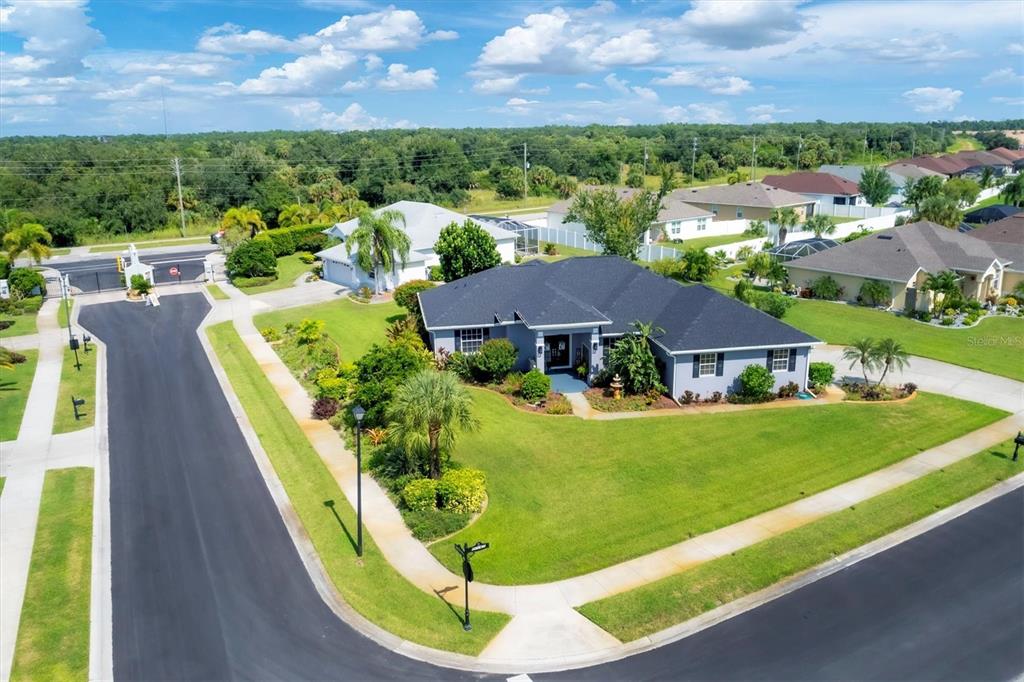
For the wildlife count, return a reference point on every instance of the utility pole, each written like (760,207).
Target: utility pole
(913,145)
(753,160)
(181,203)
(526,166)
(645,158)
(693,162)
(799,150)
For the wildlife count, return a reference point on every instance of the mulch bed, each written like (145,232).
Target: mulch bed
(628,403)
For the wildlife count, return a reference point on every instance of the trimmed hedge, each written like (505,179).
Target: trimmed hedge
(421,494)
(462,490)
(287,240)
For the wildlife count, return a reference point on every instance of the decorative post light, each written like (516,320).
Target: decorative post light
(358,412)
(467,551)
(1017,442)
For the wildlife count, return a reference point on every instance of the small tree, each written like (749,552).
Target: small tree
(1013,191)
(244,219)
(698,265)
(253,258)
(23,281)
(494,360)
(785,218)
(635,176)
(757,383)
(890,354)
(916,191)
(876,185)
(874,292)
(820,224)
(379,242)
(946,287)
(631,358)
(30,238)
(616,224)
(759,264)
(963,191)
(862,352)
(826,288)
(465,249)
(378,374)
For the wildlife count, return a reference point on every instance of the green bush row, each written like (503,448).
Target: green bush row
(287,240)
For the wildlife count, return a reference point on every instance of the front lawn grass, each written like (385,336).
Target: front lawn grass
(217,293)
(53,634)
(661,604)
(353,326)
(996,345)
(487,201)
(371,586)
(288,270)
(14,387)
(64,313)
(80,384)
(563,252)
(575,496)
(23,324)
(117,248)
(705,242)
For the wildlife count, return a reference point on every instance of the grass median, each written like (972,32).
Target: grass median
(217,293)
(678,598)
(53,635)
(371,586)
(80,383)
(14,388)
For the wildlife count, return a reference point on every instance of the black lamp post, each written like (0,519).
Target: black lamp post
(358,412)
(467,551)
(1018,440)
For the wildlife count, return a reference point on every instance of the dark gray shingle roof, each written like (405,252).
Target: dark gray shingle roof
(611,292)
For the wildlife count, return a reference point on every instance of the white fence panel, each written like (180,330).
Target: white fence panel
(848,211)
(732,249)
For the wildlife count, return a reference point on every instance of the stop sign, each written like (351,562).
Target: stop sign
(174,271)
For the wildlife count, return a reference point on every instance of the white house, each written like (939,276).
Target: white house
(423,224)
(676,219)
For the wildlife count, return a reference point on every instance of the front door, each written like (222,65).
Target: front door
(556,351)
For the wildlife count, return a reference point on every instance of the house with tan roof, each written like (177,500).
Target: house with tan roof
(1006,238)
(826,188)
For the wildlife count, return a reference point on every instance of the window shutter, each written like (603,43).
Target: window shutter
(792,359)
(696,365)
(768,362)
(458,340)
(720,365)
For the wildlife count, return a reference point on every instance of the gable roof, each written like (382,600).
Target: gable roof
(938,164)
(1010,155)
(1006,238)
(609,292)
(979,157)
(753,194)
(910,171)
(853,172)
(898,253)
(672,205)
(423,224)
(813,183)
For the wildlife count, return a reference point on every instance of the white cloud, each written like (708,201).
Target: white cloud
(231,39)
(697,113)
(443,35)
(506,85)
(929,100)
(354,117)
(585,86)
(312,74)
(1011,101)
(373,62)
(23,63)
(623,88)
(636,47)
(742,24)
(401,78)
(28,101)
(646,94)
(719,85)
(519,102)
(149,86)
(1003,77)
(765,113)
(389,29)
(177,64)
(929,48)
(1015,48)
(57,35)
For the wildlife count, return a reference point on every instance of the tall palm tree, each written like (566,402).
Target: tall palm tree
(30,238)
(820,224)
(296,214)
(940,209)
(890,354)
(785,219)
(1013,191)
(378,240)
(425,414)
(946,283)
(986,177)
(862,352)
(243,218)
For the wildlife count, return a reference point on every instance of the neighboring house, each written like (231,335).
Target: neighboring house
(936,164)
(423,224)
(1014,156)
(749,201)
(965,163)
(909,171)
(1006,238)
(990,214)
(823,187)
(853,173)
(676,219)
(902,257)
(568,314)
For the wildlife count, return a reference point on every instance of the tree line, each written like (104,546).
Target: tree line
(82,186)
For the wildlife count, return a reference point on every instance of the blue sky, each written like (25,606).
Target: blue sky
(78,67)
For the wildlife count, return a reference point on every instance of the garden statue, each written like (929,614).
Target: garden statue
(616,386)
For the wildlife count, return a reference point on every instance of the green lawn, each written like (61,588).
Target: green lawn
(288,270)
(371,586)
(114,248)
(14,387)
(23,324)
(80,384)
(487,201)
(60,252)
(656,606)
(563,252)
(63,313)
(706,242)
(217,293)
(991,201)
(353,326)
(165,234)
(53,635)
(638,485)
(653,182)
(996,345)
(964,144)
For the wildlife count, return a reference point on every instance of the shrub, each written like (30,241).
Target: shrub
(253,258)
(826,288)
(631,358)
(716,397)
(462,490)
(12,356)
(248,282)
(774,304)
(325,408)
(668,267)
(270,334)
(430,524)
(30,305)
(287,240)
(756,383)
(459,364)
(333,383)
(688,397)
(25,281)
(873,292)
(789,390)
(1009,301)
(557,404)
(909,388)
(742,290)
(379,372)
(975,304)
(821,374)
(494,360)
(947,321)
(141,284)
(406,294)
(309,331)
(949,312)
(307,258)
(536,385)
(420,494)
(436,273)
(550,249)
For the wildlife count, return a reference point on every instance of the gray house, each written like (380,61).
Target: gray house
(569,313)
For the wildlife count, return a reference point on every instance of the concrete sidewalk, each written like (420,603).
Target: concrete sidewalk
(545,630)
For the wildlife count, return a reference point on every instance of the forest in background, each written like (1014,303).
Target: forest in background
(81,188)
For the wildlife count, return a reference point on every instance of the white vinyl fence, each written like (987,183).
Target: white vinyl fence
(848,211)
(579,240)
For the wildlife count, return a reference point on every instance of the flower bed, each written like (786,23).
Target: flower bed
(511,388)
(968,316)
(601,399)
(859,391)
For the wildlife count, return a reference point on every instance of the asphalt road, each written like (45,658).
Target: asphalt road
(207,584)
(100,274)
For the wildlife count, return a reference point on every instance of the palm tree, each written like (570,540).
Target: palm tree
(296,214)
(785,219)
(30,238)
(946,283)
(243,218)
(940,209)
(862,352)
(1013,191)
(820,224)
(377,241)
(890,354)
(986,177)
(425,414)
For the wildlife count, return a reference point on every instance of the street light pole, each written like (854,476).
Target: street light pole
(358,412)
(467,551)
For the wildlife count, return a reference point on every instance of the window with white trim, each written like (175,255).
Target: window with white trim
(707,364)
(471,340)
(780,360)
(702,224)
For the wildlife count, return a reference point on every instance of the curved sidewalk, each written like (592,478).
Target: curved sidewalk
(546,632)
